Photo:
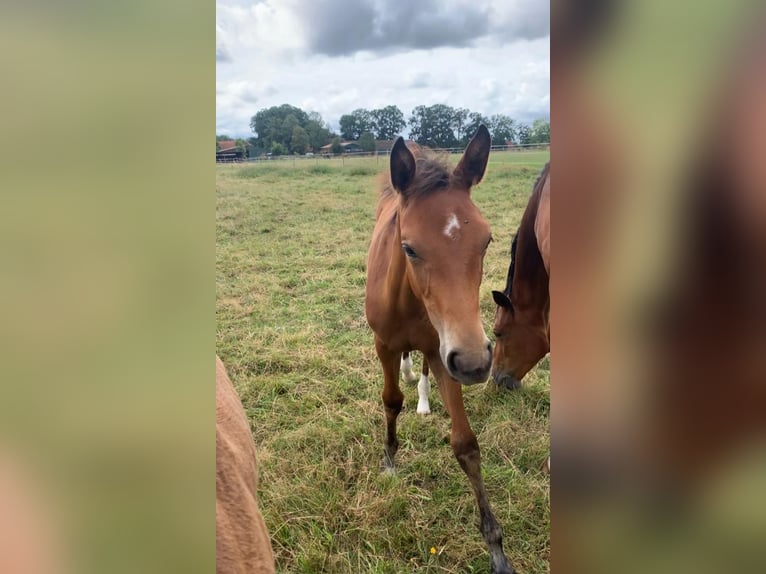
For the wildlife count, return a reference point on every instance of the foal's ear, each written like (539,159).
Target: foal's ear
(402,166)
(472,165)
(502,300)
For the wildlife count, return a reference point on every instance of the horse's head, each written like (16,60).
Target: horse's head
(444,238)
(521,340)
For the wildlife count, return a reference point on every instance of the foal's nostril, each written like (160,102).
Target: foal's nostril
(452,361)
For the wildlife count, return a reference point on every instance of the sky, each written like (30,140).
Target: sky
(334,56)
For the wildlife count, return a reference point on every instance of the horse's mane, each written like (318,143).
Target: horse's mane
(536,190)
(512,267)
(432,173)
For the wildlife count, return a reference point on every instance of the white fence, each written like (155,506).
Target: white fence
(385,153)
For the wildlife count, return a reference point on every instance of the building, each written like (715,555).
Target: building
(346,146)
(228,150)
(381,147)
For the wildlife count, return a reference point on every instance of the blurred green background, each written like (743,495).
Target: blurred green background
(107,247)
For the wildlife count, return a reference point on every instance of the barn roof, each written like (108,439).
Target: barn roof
(225,145)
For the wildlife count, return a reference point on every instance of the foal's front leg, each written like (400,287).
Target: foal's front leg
(392,399)
(466,450)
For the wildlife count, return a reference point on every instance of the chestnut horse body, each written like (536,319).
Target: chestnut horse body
(241,539)
(522,318)
(424,269)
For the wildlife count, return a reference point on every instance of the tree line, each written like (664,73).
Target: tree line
(288,129)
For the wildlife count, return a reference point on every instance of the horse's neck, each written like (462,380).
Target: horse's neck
(543,224)
(530,279)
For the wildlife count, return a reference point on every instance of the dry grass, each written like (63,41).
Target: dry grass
(291,246)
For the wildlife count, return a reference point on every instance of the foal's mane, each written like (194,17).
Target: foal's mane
(432,173)
(527,222)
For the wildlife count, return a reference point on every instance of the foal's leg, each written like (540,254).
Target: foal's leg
(424,388)
(392,399)
(406,367)
(466,450)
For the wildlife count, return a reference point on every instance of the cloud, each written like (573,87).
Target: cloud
(270,27)
(339,27)
(333,56)
(418,79)
(520,20)
(222,52)
(346,27)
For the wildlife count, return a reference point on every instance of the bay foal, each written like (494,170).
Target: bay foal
(424,269)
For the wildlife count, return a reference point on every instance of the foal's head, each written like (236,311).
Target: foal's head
(444,238)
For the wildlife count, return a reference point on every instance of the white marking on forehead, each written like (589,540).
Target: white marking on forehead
(452,226)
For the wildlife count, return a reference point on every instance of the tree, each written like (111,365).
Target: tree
(286,132)
(460,119)
(241,145)
(472,124)
(367,141)
(347,126)
(541,132)
(503,129)
(299,140)
(524,134)
(277,149)
(318,132)
(389,122)
(434,126)
(276,124)
(336,147)
(353,125)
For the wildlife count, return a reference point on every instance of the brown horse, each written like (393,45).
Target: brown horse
(424,269)
(241,539)
(522,318)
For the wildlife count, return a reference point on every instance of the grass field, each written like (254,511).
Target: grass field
(291,248)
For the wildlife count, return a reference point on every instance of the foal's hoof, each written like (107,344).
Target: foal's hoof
(387,465)
(498,564)
(388,470)
(505,569)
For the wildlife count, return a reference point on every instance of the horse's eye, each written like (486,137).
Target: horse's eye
(497,335)
(409,251)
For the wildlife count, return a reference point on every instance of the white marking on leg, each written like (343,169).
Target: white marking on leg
(424,388)
(450,230)
(406,368)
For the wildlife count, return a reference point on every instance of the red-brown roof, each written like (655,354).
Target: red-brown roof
(224,145)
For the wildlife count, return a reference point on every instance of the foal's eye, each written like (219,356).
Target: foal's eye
(409,251)
(497,335)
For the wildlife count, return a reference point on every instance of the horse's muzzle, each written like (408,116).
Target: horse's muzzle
(505,380)
(465,369)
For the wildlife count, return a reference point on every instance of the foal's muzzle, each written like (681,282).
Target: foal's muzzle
(469,368)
